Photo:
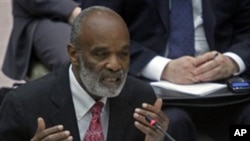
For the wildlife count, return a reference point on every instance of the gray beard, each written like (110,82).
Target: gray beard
(92,81)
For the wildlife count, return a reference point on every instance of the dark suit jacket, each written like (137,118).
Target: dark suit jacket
(50,98)
(226,23)
(26,16)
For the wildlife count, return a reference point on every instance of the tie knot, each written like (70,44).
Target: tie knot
(97,108)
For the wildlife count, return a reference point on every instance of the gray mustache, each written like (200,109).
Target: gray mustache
(109,73)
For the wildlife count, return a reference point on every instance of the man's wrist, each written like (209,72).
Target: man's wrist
(153,70)
(240,64)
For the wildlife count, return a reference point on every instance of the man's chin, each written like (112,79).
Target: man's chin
(111,92)
(109,95)
(110,84)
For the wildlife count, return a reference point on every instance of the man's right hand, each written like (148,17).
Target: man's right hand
(55,133)
(180,71)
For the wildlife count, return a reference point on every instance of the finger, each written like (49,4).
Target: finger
(153,111)
(70,138)
(206,67)
(158,104)
(157,113)
(180,71)
(148,130)
(52,130)
(205,58)
(141,118)
(210,65)
(59,136)
(210,70)
(154,108)
(53,133)
(141,114)
(211,75)
(40,125)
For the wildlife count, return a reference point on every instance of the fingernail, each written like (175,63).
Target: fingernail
(136,115)
(70,138)
(60,127)
(137,123)
(144,105)
(66,133)
(137,110)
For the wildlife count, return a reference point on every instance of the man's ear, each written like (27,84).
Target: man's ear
(72,54)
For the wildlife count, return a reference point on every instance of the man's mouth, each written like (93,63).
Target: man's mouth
(111,81)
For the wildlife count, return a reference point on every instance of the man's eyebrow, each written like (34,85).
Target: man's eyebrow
(101,48)
(97,48)
(126,46)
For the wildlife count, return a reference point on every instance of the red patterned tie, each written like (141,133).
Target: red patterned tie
(94,133)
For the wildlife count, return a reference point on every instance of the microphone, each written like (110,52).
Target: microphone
(153,122)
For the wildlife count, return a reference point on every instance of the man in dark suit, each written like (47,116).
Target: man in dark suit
(221,45)
(41,30)
(220,26)
(56,107)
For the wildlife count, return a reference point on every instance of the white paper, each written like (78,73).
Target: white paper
(199,89)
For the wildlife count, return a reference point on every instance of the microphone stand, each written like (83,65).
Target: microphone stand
(154,123)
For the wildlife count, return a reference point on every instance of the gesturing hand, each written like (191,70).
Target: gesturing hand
(154,111)
(55,133)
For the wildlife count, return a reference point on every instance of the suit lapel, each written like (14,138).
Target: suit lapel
(164,11)
(63,100)
(209,21)
(120,115)
(66,115)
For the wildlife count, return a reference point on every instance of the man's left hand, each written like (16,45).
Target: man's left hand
(153,111)
(211,67)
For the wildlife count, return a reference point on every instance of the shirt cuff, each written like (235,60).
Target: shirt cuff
(153,70)
(238,60)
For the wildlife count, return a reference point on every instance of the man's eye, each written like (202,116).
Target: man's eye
(123,54)
(101,54)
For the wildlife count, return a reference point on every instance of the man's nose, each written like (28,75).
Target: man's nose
(114,63)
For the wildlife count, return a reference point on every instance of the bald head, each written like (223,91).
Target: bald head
(98,22)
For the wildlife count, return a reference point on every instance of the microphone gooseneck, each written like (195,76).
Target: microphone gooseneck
(154,123)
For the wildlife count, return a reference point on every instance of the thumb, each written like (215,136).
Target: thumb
(40,125)
(158,104)
(40,128)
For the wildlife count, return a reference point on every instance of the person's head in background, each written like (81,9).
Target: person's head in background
(99,51)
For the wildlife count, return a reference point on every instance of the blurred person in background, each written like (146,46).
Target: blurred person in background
(41,31)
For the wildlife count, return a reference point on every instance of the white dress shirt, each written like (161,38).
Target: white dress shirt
(82,104)
(153,70)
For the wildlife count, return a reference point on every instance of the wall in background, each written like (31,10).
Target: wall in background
(5,29)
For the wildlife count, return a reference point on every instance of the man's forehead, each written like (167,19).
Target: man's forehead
(104,31)
(109,48)
(98,16)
